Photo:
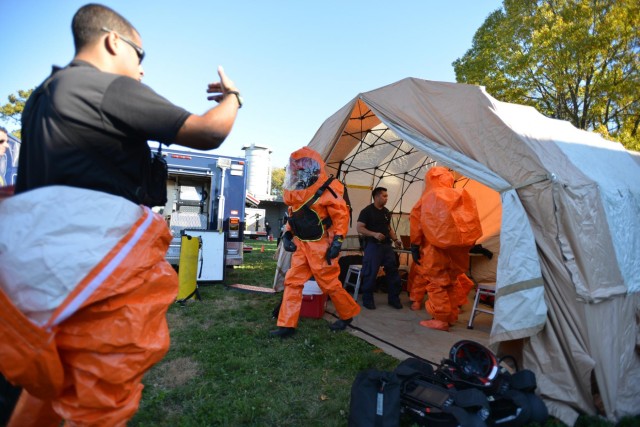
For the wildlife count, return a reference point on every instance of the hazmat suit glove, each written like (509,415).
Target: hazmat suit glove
(415,253)
(479,249)
(287,242)
(334,249)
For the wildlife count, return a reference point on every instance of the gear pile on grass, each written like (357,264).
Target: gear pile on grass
(470,388)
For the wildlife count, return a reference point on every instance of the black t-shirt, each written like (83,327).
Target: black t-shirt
(376,220)
(86,128)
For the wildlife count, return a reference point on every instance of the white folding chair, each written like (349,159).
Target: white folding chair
(481,289)
(354,271)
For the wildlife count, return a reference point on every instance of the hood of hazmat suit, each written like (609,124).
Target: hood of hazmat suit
(449,216)
(304,176)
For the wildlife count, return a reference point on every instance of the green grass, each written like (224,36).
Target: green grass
(223,369)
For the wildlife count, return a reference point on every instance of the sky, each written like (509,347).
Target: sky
(295,62)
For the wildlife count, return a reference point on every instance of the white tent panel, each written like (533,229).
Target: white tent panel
(619,184)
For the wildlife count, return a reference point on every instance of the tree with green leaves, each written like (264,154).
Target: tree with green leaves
(12,111)
(277,180)
(575,60)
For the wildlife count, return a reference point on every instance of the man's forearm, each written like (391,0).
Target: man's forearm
(361,229)
(211,129)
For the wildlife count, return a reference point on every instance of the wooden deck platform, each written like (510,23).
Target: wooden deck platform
(395,330)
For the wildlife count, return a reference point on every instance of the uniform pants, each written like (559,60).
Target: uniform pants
(376,255)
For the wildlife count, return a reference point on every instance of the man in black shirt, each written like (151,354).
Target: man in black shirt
(374,222)
(87,126)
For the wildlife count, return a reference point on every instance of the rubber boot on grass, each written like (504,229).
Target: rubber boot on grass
(283,332)
(340,325)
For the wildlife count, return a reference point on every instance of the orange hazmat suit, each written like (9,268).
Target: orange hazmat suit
(449,226)
(79,334)
(305,175)
(417,277)
(417,280)
(463,287)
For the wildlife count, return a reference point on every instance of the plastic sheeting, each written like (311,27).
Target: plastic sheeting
(61,244)
(105,316)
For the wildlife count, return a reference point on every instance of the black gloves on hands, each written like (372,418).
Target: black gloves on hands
(415,253)
(287,242)
(479,249)
(334,249)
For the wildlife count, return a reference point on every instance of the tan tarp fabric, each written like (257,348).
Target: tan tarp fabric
(567,273)
(284,262)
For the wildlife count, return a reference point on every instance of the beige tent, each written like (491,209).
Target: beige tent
(560,205)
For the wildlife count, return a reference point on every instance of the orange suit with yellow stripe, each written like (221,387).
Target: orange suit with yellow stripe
(309,259)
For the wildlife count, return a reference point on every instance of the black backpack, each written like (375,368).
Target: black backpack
(375,400)
(305,222)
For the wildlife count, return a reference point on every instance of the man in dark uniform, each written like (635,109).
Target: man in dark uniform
(374,223)
(88,124)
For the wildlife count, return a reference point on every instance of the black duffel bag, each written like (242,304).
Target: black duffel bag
(375,400)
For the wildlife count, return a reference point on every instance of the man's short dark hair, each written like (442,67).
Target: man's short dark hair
(2,129)
(90,18)
(377,191)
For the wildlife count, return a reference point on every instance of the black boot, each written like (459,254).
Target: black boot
(395,304)
(340,325)
(283,332)
(368,301)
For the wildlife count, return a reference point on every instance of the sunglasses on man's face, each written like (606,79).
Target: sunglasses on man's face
(138,49)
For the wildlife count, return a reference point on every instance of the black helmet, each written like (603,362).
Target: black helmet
(474,360)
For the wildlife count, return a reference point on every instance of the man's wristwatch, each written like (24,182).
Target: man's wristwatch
(238,97)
